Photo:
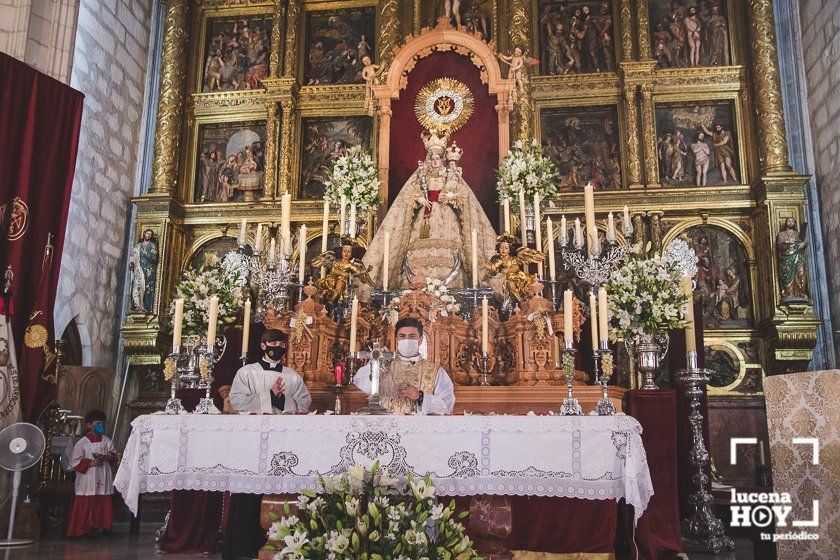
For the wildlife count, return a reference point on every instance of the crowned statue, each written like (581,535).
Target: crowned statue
(431,221)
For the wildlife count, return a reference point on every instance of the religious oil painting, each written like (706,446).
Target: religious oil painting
(585,145)
(236,53)
(230,164)
(697,145)
(576,37)
(723,363)
(686,33)
(723,284)
(324,141)
(213,252)
(337,43)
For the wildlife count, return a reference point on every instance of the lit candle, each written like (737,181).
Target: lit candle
(354,317)
(272,251)
(688,307)
(243,229)
(578,234)
(564,231)
(485,330)
(589,209)
(352,231)
(550,231)
(177,323)
(246,326)
(325,227)
(258,241)
(386,264)
(523,227)
(302,254)
(593,319)
(538,231)
(611,236)
(603,315)
(342,214)
(474,261)
(212,319)
(568,315)
(286,224)
(627,223)
(506,208)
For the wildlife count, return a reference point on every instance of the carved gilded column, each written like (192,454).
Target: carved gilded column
(290,56)
(170,98)
(270,182)
(643,23)
(634,157)
(276,41)
(649,135)
(389,29)
(626,30)
(772,143)
(287,124)
(519,31)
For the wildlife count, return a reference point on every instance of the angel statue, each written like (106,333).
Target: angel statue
(506,262)
(335,286)
(432,220)
(518,63)
(370,74)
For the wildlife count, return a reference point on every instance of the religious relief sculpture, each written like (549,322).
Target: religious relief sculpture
(688,35)
(142,265)
(576,37)
(790,245)
(508,263)
(335,285)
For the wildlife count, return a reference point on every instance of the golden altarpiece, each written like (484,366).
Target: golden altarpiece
(613,92)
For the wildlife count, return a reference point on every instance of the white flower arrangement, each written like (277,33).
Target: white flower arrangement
(526,167)
(354,176)
(197,286)
(645,297)
(438,289)
(369,514)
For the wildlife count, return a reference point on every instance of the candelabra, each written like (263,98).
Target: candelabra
(470,299)
(595,267)
(191,367)
(376,356)
(571,406)
(485,364)
(382,297)
(554,285)
(273,278)
(702,528)
(603,355)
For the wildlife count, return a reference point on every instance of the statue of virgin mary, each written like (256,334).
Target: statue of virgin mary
(431,221)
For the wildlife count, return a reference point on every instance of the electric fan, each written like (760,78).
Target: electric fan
(21,446)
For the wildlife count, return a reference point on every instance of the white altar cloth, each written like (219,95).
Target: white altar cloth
(589,457)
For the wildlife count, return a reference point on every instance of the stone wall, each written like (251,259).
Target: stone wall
(820,24)
(109,67)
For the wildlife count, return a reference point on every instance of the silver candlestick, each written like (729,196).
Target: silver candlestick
(571,406)
(170,372)
(205,368)
(376,355)
(484,363)
(702,528)
(605,406)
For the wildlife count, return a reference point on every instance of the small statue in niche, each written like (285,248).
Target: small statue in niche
(142,265)
(518,63)
(509,263)
(335,285)
(790,247)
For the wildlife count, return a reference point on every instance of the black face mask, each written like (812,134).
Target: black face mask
(275,353)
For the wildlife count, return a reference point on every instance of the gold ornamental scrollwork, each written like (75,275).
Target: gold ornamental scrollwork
(626,16)
(292,23)
(631,110)
(389,29)
(211,103)
(649,135)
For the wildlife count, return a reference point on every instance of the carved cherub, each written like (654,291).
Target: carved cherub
(370,74)
(335,284)
(518,63)
(517,281)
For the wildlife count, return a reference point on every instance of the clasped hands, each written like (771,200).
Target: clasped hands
(410,392)
(446,197)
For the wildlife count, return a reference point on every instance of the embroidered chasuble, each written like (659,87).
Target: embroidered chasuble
(422,375)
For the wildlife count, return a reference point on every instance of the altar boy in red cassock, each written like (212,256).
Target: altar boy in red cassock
(92,459)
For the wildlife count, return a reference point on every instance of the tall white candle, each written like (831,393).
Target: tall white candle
(627,222)
(177,323)
(386,264)
(688,309)
(564,231)
(243,232)
(589,206)
(212,319)
(272,251)
(342,215)
(578,233)
(325,227)
(568,315)
(523,227)
(506,212)
(611,236)
(354,317)
(258,240)
(593,319)
(485,330)
(246,326)
(474,259)
(352,231)
(552,271)
(302,254)
(603,316)
(286,224)
(538,231)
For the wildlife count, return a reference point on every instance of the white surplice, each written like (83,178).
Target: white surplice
(251,390)
(95,481)
(440,401)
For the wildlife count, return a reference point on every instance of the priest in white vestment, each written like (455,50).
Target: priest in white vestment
(412,384)
(267,386)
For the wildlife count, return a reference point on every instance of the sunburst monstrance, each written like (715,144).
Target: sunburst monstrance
(444,104)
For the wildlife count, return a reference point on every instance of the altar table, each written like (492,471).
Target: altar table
(588,457)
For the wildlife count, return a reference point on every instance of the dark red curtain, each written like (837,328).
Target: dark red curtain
(479,137)
(39,136)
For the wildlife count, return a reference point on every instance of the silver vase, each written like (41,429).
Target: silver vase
(650,349)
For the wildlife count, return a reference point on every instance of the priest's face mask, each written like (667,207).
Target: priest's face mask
(274,350)
(408,342)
